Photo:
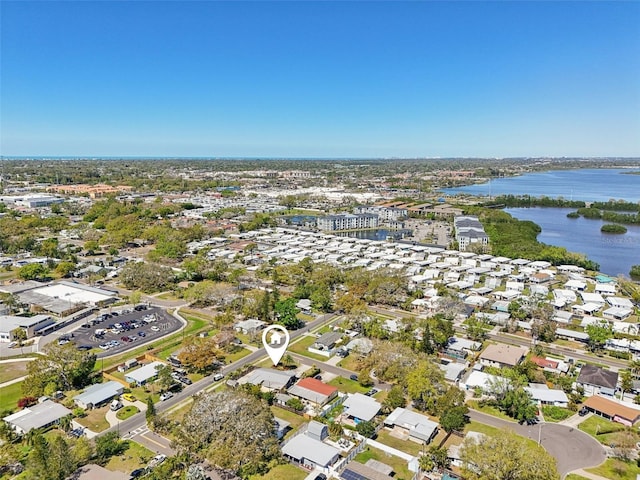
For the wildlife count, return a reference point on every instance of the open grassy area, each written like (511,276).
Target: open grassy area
(614,468)
(489,410)
(481,428)
(236,355)
(288,471)
(95,420)
(573,476)
(347,385)
(398,464)
(11,370)
(126,412)
(407,446)
(135,456)
(606,431)
(350,363)
(10,395)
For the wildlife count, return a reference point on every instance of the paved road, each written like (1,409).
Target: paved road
(572,448)
(137,423)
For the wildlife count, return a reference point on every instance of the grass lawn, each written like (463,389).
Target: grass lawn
(350,363)
(613,468)
(12,370)
(237,355)
(95,420)
(167,296)
(481,428)
(135,456)
(398,464)
(10,395)
(288,471)
(556,414)
(573,476)
(292,418)
(347,385)
(126,412)
(407,446)
(605,431)
(301,348)
(489,410)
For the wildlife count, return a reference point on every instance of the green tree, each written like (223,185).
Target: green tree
(454,419)
(425,384)
(598,335)
(286,314)
(38,460)
(506,456)
(33,271)
(108,445)
(335,430)
(295,403)
(165,378)
(366,429)
(19,335)
(364,378)
(395,398)
(150,414)
(60,463)
(65,423)
(65,269)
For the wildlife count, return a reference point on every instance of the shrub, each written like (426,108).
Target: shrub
(27,402)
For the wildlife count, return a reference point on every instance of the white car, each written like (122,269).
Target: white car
(155,329)
(165,396)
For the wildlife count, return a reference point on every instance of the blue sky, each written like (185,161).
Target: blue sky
(320,79)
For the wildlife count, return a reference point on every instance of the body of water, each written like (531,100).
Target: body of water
(590,185)
(615,253)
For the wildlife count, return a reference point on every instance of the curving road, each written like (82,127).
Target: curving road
(572,448)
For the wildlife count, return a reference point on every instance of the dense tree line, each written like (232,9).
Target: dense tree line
(529,201)
(514,238)
(609,216)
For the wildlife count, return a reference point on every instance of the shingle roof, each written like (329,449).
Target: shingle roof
(611,408)
(592,375)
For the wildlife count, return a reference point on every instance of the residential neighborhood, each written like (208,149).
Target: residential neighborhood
(408,353)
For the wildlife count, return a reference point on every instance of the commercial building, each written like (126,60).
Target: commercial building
(8,323)
(41,415)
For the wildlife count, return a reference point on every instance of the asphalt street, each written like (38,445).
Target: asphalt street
(572,448)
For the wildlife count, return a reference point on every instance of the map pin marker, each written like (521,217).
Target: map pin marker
(275,339)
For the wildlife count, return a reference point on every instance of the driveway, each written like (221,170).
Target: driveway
(572,448)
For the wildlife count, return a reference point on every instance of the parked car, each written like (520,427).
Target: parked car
(165,396)
(115,405)
(185,380)
(155,329)
(217,377)
(84,347)
(158,459)
(583,411)
(353,377)
(128,397)
(138,472)
(142,334)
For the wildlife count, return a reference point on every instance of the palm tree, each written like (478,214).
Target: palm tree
(65,423)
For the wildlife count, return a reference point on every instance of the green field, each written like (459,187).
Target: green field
(606,431)
(613,468)
(95,419)
(407,446)
(10,395)
(347,385)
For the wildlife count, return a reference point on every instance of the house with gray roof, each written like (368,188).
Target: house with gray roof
(269,379)
(98,394)
(144,374)
(359,407)
(597,380)
(41,415)
(327,341)
(308,449)
(417,427)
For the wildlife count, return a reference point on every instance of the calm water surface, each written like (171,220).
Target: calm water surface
(591,184)
(614,253)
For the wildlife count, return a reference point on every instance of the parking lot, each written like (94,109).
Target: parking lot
(120,330)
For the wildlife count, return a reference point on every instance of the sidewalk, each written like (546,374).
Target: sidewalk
(11,382)
(592,476)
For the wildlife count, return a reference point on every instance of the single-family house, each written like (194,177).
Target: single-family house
(304,304)
(359,407)
(460,347)
(617,313)
(544,395)
(327,341)
(414,426)
(313,391)
(355,470)
(40,415)
(502,355)
(309,450)
(98,394)
(621,412)
(144,374)
(597,380)
(250,326)
(269,379)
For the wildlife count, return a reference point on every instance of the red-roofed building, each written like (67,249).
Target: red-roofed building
(544,362)
(313,391)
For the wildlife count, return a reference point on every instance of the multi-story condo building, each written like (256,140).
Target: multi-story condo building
(331,223)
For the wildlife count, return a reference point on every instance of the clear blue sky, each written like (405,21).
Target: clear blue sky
(320,79)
